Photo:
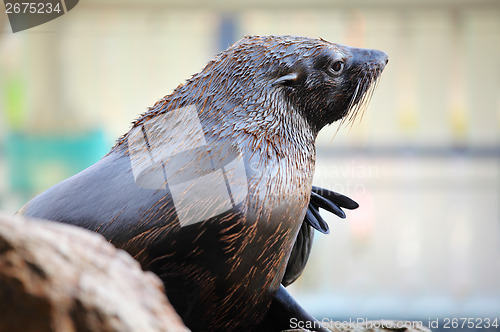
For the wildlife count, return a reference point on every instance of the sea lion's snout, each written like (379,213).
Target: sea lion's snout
(374,59)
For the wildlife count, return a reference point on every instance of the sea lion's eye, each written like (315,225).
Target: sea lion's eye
(337,67)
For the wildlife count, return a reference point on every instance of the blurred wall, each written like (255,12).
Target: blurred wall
(423,162)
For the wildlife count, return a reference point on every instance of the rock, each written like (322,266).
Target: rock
(56,277)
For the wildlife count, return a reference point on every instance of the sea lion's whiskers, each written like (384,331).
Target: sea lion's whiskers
(369,84)
(352,113)
(351,107)
(372,88)
(351,103)
(366,97)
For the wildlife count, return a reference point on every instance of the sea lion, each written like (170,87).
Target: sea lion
(210,187)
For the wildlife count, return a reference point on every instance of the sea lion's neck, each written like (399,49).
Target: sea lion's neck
(278,147)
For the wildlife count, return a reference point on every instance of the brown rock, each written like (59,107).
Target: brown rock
(56,277)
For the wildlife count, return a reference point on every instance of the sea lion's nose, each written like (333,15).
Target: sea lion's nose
(370,56)
(379,57)
(385,58)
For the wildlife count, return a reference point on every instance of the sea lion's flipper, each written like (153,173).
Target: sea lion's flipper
(320,198)
(330,201)
(336,198)
(285,313)
(315,220)
(320,201)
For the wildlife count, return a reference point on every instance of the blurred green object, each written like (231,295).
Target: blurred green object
(15,102)
(36,162)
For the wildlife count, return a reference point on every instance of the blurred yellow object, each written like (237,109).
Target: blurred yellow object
(458,120)
(407,119)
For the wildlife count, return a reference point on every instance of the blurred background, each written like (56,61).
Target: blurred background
(424,162)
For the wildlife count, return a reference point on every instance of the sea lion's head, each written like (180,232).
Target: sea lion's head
(332,83)
(324,81)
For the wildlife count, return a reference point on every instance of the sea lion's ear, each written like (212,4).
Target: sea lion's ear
(289,79)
